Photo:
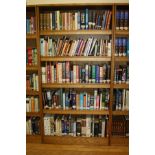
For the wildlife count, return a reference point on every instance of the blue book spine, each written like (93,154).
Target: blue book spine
(93,73)
(97,74)
(105,19)
(103,22)
(66,101)
(126,20)
(73,99)
(124,40)
(27,25)
(120,44)
(71,76)
(119,100)
(81,101)
(116,47)
(78,20)
(127,50)
(117,20)
(86,19)
(53,20)
(121,20)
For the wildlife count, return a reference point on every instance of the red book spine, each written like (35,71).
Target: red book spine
(67,71)
(97,101)
(57,73)
(30,56)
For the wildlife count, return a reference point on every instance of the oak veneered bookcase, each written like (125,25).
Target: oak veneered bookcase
(33,40)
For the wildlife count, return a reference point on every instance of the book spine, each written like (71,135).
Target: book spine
(86,19)
(117,20)
(126,20)
(81,101)
(121,20)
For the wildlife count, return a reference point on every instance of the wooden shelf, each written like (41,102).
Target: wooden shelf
(31,68)
(33,138)
(126,59)
(118,140)
(32,113)
(76,112)
(74,32)
(69,140)
(32,92)
(120,112)
(122,32)
(76,58)
(77,85)
(125,86)
(30,36)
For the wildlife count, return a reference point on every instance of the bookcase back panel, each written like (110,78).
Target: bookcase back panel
(31,43)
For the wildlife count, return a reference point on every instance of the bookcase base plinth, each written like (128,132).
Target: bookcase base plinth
(33,139)
(120,141)
(68,140)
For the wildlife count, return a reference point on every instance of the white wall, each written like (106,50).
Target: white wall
(34,2)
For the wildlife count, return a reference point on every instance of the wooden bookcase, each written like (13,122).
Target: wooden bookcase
(111,140)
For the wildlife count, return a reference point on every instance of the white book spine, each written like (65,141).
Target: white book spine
(37,83)
(127,100)
(63,101)
(103,129)
(43,69)
(74,73)
(36,102)
(109,49)
(51,20)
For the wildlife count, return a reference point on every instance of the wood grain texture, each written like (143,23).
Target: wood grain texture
(76,112)
(30,36)
(32,68)
(75,32)
(123,86)
(76,58)
(32,113)
(77,85)
(122,32)
(120,112)
(50,149)
(31,92)
(69,140)
(122,59)
(33,139)
(119,141)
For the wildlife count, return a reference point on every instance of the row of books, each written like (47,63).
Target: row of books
(30,25)
(122,19)
(66,46)
(76,20)
(85,125)
(63,72)
(32,126)
(32,104)
(31,56)
(32,82)
(71,99)
(121,74)
(120,126)
(121,99)
(121,46)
